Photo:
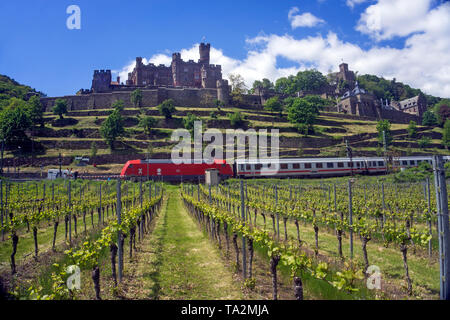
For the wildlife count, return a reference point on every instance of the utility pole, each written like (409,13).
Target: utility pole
(60,162)
(350,216)
(349,155)
(385,150)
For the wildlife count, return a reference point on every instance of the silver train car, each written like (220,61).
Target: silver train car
(322,167)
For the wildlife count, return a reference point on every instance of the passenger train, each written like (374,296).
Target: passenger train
(269,168)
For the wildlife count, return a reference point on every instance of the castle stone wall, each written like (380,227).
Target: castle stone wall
(398,116)
(189,97)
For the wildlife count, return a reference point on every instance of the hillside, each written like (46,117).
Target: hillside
(391,89)
(10,88)
(77,138)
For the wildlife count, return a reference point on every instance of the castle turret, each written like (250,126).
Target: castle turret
(343,67)
(345,74)
(176,56)
(204,53)
(101,81)
(223,91)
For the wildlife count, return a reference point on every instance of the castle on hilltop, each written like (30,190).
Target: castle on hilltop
(200,84)
(180,73)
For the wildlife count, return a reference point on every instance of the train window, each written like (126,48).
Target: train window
(358,164)
(319,165)
(380,163)
(296,165)
(248,167)
(307,165)
(419,161)
(350,164)
(404,163)
(284,166)
(340,164)
(242,167)
(412,162)
(258,166)
(330,165)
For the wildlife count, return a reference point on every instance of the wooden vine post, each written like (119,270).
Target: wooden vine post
(443,225)
(244,253)
(119,233)
(350,216)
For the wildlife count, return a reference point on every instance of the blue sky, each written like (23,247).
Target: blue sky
(254,38)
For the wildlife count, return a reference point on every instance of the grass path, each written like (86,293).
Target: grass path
(177,261)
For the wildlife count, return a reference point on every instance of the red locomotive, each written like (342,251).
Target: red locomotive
(165,168)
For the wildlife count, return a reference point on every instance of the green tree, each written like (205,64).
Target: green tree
(274,105)
(136,97)
(148,123)
(287,102)
(412,129)
(60,107)
(94,150)
(236,119)
(424,142)
(219,104)
(237,84)
(384,125)
(429,118)
(167,108)
(118,105)
(35,111)
(189,120)
(112,128)
(213,115)
(303,114)
(14,121)
(282,85)
(442,111)
(310,80)
(446,134)
(318,101)
(265,84)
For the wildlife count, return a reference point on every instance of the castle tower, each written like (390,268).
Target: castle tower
(101,81)
(204,53)
(223,91)
(176,68)
(343,67)
(345,74)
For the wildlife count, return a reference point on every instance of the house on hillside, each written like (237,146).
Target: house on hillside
(416,105)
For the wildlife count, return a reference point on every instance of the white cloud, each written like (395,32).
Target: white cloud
(389,18)
(352,3)
(424,61)
(302,20)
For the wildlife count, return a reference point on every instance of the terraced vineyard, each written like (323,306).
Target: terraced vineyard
(81,129)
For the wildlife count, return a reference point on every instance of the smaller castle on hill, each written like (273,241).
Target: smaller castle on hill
(362,103)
